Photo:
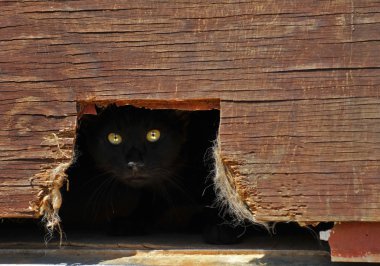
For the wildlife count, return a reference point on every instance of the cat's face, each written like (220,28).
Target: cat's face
(136,146)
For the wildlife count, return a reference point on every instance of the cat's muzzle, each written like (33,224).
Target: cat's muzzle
(135,166)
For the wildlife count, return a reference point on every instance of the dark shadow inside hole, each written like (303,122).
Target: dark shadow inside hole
(139,171)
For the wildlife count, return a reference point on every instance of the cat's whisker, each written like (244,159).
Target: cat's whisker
(160,187)
(206,188)
(99,186)
(164,193)
(98,207)
(173,181)
(93,180)
(109,198)
(105,192)
(93,200)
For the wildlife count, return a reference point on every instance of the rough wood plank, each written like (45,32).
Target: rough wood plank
(309,158)
(298,83)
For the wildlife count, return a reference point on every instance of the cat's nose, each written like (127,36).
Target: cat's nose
(134,166)
(133,157)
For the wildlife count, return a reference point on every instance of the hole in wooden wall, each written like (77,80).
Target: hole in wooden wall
(144,166)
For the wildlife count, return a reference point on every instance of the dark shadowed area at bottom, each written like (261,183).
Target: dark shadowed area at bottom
(22,241)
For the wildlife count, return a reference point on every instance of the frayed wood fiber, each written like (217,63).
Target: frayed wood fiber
(228,199)
(50,199)
(50,181)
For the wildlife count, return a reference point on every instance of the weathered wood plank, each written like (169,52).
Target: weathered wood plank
(299,84)
(306,158)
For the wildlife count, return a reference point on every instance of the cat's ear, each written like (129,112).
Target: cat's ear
(90,122)
(87,124)
(102,111)
(99,109)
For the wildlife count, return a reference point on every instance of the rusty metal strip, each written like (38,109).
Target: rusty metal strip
(355,242)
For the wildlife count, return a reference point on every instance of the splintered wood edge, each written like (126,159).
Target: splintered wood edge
(88,106)
(228,197)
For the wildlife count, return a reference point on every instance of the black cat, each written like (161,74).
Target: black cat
(141,170)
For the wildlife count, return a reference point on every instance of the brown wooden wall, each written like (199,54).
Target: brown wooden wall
(299,83)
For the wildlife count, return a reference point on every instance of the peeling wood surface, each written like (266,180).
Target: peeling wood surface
(298,83)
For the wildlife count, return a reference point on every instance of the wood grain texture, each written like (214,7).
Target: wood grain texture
(298,83)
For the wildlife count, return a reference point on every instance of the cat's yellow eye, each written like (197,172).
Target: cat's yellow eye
(114,138)
(153,135)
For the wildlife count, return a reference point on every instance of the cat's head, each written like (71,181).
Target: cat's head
(135,145)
